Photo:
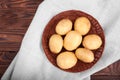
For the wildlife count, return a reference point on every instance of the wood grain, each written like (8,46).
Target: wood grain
(105,77)
(15,18)
(5,59)
(19,3)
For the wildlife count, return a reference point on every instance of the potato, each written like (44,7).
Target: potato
(55,43)
(72,40)
(63,26)
(82,25)
(92,42)
(66,60)
(84,55)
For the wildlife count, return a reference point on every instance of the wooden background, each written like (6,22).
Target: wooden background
(15,18)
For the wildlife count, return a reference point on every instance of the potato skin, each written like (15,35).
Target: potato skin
(55,43)
(63,26)
(82,25)
(84,55)
(92,41)
(72,40)
(66,60)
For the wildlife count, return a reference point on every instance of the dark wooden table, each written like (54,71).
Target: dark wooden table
(15,18)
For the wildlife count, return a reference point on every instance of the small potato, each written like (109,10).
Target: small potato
(55,43)
(84,55)
(82,25)
(72,40)
(92,42)
(66,60)
(63,26)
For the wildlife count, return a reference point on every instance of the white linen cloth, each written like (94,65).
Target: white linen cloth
(31,62)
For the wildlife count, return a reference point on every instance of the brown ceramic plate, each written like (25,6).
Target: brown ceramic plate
(72,15)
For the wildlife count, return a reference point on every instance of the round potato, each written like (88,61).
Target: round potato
(92,42)
(55,43)
(82,25)
(84,55)
(72,40)
(66,60)
(63,26)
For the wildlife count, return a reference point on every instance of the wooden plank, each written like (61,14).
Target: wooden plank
(9,46)
(6,57)
(13,25)
(10,41)
(15,20)
(13,38)
(19,3)
(105,77)
(5,60)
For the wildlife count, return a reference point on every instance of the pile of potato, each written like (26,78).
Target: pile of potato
(72,41)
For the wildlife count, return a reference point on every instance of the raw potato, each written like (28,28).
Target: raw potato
(82,25)
(84,55)
(92,41)
(72,40)
(55,43)
(66,60)
(63,26)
